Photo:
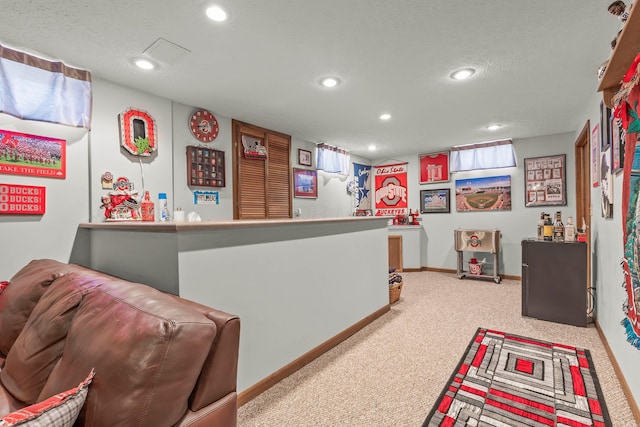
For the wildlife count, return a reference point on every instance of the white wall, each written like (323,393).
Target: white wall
(607,276)
(515,225)
(26,237)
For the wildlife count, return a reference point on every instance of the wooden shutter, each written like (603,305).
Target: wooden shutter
(262,187)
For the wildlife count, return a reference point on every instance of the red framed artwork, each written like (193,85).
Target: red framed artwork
(305,183)
(24,154)
(22,199)
(434,167)
(138,132)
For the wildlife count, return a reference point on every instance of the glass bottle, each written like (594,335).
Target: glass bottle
(570,231)
(558,228)
(541,227)
(147,208)
(548,228)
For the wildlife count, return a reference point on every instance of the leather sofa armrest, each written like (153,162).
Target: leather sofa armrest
(220,370)
(221,413)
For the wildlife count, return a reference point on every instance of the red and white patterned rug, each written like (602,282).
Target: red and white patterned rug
(509,380)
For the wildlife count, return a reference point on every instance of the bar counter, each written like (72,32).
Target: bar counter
(295,283)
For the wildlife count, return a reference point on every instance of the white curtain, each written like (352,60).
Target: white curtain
(33,88)
(333,159)
(484,155)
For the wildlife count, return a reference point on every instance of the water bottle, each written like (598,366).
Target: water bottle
(163,209)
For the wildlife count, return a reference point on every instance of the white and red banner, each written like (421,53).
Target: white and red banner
(22,199)
(391,189)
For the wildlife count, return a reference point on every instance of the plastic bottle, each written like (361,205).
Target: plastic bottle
(148,213)
(163,209)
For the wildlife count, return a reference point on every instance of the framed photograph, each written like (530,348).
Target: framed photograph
(606,183)
(617,146)
(435,201)
(24,154)
(305,183)
(304,157)
(605,129)
(545,181)
(434,167)
(491,193)
(595,156)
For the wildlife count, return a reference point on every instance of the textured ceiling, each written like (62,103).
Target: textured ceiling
(536,62)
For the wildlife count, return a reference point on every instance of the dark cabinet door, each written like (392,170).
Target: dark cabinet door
(554,281)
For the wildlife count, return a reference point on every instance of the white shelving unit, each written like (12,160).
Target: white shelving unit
(477,241)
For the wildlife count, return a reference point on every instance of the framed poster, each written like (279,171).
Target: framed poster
(605,129)
(305,183)
(595,156)
(617,146)
(24,154)
(545,181)
(435,201)
(304,157)
(434,167)
(492,193)
(606,183)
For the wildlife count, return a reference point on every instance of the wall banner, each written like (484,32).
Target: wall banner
(391,189)
(362,178)
(22,199)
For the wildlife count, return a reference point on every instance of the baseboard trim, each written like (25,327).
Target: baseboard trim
(448,270)
(255,390)
(623,383)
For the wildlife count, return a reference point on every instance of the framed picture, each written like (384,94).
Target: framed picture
(434,167)
(595,156)
(491,193)
(605,129)
(617,146)
(305,183)
(545,181)
(435,201)
(606,183)
(25,154)
(304,157)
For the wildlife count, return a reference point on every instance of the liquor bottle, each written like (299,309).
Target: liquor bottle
(570,231)
(548,228)
(147,208)
(541,227)
(558,228)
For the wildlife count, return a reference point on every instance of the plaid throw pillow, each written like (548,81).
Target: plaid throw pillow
(60,410)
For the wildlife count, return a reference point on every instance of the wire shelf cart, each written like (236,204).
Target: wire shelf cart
(477,241)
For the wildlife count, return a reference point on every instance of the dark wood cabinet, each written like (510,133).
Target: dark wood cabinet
(205,167)
(554,281)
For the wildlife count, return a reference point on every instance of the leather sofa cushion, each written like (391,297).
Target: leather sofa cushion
(18,299)
(147,350)
(21,296)
(39,345)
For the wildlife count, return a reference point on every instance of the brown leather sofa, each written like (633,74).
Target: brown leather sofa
(159,360)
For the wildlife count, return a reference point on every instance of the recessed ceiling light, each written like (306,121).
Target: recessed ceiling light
(216,13)
(463,74)
(385,116)
(494,127)
(144,64)
(372,147)
(330,82)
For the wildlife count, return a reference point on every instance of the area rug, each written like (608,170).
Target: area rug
(510,380)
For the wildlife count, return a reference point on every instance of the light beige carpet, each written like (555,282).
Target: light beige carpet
(391,372)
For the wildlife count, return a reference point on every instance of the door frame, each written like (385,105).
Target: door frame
(583,195)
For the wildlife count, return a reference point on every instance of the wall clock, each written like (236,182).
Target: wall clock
(203,125)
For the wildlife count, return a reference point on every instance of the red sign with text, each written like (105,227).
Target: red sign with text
(22,199)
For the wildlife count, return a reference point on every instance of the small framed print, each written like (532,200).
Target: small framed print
(435,201)
(304,157)
(305,183)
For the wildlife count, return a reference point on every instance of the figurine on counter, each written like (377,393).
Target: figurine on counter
(619,8)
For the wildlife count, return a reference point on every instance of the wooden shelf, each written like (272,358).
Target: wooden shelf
(627,47)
